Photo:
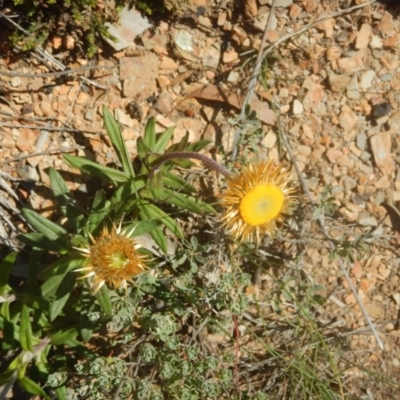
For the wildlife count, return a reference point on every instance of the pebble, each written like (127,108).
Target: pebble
(365,219)
(352,89)
(361,141)
(297,107)
(376,42)
(164,103)
(15,81)
(261,20)
(381,149)
(363,36)
(386,77)
(394,122)
(338,83)
(45,106)
(349,65)
(381,110)
(283,3)
(366,79)
(211,57)
(230,56)
(347,118)
(233,76)
(333,155)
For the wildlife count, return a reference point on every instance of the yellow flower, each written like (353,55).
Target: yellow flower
(256,199)
(113,259)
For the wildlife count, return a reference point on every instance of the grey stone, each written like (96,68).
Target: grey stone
(362,141)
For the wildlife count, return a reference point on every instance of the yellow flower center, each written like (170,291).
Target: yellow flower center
(118,260)
(261,204)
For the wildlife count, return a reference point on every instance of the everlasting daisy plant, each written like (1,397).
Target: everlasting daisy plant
(256,199)
(113,259)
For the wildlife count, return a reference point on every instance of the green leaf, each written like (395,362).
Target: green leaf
(100,210)
(142,148)
(94,169)
(86,334)
(25,331)
(175,182)
(197,146)
(8,328)
(5,270)
(61,393)
(129,189)
(149,211)
(35,302)
(44,225)
(163,139)
(63,336)
(39,240)
(114,132)
(149,136)
(62,295)
(180,200)
(32,387)
(156,182)
(65,200)
(65,264)
(143,227)
(182,145)
(103,298)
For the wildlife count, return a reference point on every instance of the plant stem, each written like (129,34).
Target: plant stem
(207,161)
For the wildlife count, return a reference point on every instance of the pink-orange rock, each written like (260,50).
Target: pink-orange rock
(381,149)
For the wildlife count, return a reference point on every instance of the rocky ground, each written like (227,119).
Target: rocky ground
(329,85)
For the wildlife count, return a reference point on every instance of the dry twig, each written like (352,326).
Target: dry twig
(48,56)
(331,242)
(253,80)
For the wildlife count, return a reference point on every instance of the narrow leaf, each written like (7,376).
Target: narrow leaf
(103,298)
(197,146)
(146,212)
(5,270)
(100,210)
(181,200)
(149,136)
(163,139)
(65,200)
(94,169)
(25,331)
(63,292)
(114,132)
(33,388)
(143,227)
(143,148)
(63,265)
(44,225)
(149,211)
(129,189)
(50,287)
(176,182)
(39,240)
(63,336)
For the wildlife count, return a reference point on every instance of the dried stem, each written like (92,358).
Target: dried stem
(253,80)
(58,73)
(48,56)
(332,246)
